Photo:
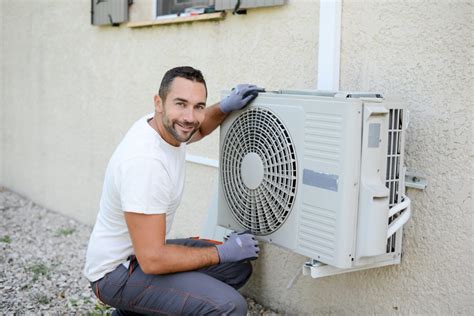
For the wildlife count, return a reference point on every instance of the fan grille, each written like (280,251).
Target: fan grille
(265,205)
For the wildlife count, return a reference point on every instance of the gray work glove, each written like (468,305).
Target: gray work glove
(239,97)
(238,247)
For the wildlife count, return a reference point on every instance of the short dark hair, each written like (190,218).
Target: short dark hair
(185,72)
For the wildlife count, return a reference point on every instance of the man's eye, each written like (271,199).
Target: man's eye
(180,104)
(200,107)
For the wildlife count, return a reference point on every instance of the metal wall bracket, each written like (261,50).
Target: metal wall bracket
(415,181)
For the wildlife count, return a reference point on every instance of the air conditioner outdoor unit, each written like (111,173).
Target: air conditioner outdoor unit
(318,173)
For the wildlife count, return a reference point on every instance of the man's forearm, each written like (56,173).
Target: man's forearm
(176,258)
(214,117)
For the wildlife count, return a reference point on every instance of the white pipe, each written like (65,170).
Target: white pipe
(400,206)
(202,160)
(402,219)
(329,56)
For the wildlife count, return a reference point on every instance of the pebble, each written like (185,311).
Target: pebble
(41,261)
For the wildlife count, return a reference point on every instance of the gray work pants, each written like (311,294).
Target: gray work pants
(207,291)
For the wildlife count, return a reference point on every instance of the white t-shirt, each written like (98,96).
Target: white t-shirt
(144,175)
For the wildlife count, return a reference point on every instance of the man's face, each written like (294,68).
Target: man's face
(182,113)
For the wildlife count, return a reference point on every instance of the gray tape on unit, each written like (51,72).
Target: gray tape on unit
(374,135)
(320,180)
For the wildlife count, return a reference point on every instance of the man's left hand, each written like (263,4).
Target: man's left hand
(239,97)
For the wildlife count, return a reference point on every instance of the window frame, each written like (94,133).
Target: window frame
(176,8)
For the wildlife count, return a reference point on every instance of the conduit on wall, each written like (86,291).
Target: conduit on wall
(200,160)
(329,44)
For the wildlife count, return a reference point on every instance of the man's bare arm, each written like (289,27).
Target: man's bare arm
(214,117)
(155,256)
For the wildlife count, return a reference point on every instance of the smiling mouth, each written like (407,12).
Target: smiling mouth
(186,128)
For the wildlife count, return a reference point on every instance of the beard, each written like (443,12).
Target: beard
(182,137)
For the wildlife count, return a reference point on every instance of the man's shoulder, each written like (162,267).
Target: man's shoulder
(140,126)
(135,150)
(138,140)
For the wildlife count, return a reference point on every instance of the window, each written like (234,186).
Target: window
(165,8)
(184,11)
(182,7)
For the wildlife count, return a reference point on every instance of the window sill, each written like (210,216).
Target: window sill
(185,19)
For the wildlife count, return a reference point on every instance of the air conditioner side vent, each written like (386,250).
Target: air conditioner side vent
(394,165)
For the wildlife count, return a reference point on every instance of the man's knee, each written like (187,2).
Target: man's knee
(236,305)
(244,271)
(226,302)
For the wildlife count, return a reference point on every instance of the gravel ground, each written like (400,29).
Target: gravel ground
(41,260)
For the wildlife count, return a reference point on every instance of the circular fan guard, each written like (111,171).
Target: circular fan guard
(262,208)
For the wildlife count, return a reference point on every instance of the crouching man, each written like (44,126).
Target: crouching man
(130,263)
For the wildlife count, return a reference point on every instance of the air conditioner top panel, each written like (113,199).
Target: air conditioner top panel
(324,93)
(331,93)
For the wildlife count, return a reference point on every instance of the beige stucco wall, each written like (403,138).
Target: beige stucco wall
(71,91)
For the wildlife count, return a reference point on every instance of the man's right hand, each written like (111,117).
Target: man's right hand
(239,97)
(238,247)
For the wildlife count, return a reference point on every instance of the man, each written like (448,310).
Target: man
(129,262)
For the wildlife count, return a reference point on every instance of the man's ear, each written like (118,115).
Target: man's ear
(158,104)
